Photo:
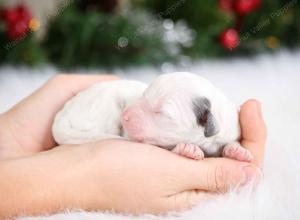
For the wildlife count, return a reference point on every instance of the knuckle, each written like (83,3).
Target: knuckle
(175,203)
(220,176)
(182,201)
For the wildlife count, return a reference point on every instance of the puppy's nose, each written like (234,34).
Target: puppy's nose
(125,116)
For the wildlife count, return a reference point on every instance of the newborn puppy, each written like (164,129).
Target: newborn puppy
(181,112)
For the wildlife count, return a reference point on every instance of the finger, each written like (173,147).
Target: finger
(218,174)
(62,87)
(254,132)
(75,83)
(39,109)
(187,199)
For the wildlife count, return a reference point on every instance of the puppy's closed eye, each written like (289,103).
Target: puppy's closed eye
(204,117)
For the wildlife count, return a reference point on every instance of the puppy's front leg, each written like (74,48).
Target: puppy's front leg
(189,150)
(236,151)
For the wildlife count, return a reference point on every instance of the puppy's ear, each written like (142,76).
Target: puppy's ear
(204,117)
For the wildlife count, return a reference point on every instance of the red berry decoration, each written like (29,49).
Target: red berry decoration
(24,13)
(226,5)
(17,30)
(256,4)
(243,7)
(229,39)
(10,16)
(17,21)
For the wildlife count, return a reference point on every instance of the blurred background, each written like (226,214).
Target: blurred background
(109,33)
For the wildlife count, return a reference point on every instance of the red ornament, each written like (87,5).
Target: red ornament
(243,7)
(24,13)
(17,21)
(226,5)
(17,30)
(10,15)
(229,39)
(256,4)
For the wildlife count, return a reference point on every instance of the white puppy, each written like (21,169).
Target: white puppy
(180,111)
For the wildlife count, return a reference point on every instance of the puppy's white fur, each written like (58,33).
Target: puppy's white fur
(95,113)
(161,115)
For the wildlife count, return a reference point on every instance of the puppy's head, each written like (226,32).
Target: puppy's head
(182,107)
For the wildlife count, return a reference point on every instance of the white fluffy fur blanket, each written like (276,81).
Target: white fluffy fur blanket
(273,79)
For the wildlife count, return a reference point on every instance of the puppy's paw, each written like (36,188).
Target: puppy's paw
(189,150)
(237,152)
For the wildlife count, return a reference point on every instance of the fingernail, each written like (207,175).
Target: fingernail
(252,174)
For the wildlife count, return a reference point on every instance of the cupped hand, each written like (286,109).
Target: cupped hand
(156,181)
(26,128)
(111,174)
(137,178)
(114,175)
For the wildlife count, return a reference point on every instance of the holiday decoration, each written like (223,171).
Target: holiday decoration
(226,5)
(229,39)
(18,44)
(103,5)
(17,21)
(34,24)
(134,37)
(243,7)
(90,33)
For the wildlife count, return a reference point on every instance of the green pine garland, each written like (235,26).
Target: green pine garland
(276,19)
(77,38)
(24,51)
(135,36)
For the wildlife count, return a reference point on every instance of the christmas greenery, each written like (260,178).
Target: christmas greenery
(109,32)
(91,39)
(275,23)
(18,43)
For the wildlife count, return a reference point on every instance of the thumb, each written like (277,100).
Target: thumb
(219,174)
(206,178)
(254,132)
(186,200)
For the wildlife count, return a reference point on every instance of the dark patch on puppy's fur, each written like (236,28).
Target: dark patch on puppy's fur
(204,117)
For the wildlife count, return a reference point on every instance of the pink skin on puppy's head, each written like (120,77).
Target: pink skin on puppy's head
(135,120)
(145,122)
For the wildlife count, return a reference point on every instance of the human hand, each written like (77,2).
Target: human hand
(143,179)
(254,131)
(114,175)
(26,128)
(126,177)
(177,184)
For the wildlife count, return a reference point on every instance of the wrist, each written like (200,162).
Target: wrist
(27,185)
(8,146)
(3,135)
(49,182)
(40,183)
